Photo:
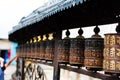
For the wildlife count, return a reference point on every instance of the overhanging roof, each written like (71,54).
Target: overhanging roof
(45,11)
(64,15)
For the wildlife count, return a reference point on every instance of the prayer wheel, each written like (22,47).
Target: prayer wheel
(32,50)
(28,50)
(63,49)
(77,46)
(94,52)
(35,49)
(25,50)
(111,62)
(38,50)
(21,50)
(42,49)
(50,45)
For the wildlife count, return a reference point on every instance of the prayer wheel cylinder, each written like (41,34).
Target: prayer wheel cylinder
(38,50)
(42,49)
(28,49)
(94,54)
(77,51)
(35,49)
(25,49)
(50,45)
(21,50)
(111,62)
(32,50)
(63,50)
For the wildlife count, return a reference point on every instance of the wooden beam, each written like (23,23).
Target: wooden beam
(90,73)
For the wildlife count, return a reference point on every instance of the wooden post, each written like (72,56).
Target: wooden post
(56,73)
(20,68)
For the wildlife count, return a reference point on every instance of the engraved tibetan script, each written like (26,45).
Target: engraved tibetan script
(112,40)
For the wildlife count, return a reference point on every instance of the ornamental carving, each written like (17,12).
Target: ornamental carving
(118,40)
(106,52)
(106,65)
(118,65)
(112,65)
(118,52)
(112,40)
(94,53)
(107,40)
(112,52)
(93,63)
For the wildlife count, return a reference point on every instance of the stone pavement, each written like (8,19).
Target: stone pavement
(9,71)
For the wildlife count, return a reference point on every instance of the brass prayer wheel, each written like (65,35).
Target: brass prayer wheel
(32,50)
(111,62)
(28,47)
(94,52)
(42,49)
(35,49)
(64,49)
(77,46)
(50,45)
(77,51)
(38,50)
(25,50)
(21,50)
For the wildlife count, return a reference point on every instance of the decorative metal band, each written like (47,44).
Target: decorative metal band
(113,52)
(77,43)
(94,43)
(94,54)
(93,63)
(112,39)
(111,65)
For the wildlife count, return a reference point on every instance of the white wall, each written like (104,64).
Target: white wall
(5,44)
